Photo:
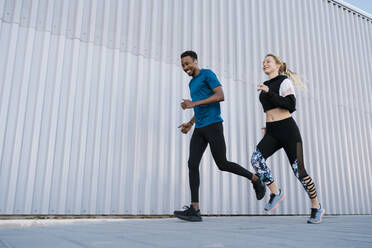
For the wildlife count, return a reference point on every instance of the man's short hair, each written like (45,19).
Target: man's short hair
(192,54)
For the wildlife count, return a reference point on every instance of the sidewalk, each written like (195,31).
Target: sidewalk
(213,232)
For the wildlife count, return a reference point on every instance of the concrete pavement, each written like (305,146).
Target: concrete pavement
(213,232)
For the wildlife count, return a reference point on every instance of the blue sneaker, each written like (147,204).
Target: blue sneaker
(316,215)
(274,201)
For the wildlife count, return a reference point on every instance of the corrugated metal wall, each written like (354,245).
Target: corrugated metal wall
(90,93)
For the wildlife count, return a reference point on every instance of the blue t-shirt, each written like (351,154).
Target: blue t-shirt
(201,87)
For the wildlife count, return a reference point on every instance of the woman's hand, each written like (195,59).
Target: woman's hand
(263,87)
(264,130)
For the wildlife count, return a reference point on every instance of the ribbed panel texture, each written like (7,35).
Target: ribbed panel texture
(90,96)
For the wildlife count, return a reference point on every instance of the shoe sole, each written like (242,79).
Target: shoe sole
(186,219)
(276,205)
(321,217)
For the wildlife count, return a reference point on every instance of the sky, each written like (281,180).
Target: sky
(365,5)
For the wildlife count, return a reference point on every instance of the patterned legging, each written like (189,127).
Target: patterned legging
(263,171)
(282,134)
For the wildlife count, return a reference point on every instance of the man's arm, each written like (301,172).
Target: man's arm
(218,96)
(192,121)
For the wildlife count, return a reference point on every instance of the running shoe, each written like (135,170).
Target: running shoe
(189,214)
(316,216)
(274,201)
(259,188)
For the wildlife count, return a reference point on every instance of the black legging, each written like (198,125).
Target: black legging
(212,135)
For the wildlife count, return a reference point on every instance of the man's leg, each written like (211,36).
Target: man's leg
(217,144)
(197,147)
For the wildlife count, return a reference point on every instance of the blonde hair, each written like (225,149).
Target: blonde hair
(283,69)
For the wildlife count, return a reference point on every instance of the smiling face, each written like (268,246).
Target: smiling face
(270,66)
(189,65)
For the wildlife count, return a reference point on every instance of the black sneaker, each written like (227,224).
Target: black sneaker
(260,188)
(189,214)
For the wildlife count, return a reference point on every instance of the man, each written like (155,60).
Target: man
(206,93)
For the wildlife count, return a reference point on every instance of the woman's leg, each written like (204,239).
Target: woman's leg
(267,146)
(294,152)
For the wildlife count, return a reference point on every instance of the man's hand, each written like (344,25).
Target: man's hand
(186,104)
(185,127)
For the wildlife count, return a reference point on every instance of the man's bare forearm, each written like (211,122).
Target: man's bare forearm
(192,121)
(216,97)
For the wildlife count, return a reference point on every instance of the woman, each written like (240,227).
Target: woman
(278,100)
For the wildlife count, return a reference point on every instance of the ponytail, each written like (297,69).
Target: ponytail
(283,69)
(292,75)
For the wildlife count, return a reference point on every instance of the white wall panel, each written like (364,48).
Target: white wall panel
(90,93)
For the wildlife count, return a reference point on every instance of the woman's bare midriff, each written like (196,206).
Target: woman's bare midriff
(277,114)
